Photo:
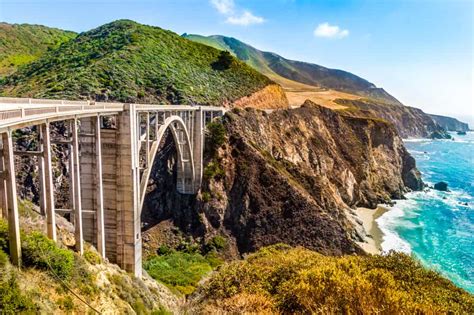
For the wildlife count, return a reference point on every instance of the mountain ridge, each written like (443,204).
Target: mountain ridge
(130,62)
(281,69)
(21,44)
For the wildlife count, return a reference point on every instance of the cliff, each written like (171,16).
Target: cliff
(288,176)
(409,121)
(449,123)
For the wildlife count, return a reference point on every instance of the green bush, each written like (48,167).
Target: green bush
(43,253)
(3,259)
(213,170)
(215,138)
(12,299)
(92,257)
(178,270)
(164,250)
(216,243)
(4,235)
(65,303)
(224,61)
(206,196)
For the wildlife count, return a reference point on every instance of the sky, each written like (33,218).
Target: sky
(420,51)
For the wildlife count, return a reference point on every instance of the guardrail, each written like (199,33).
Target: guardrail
(18,111)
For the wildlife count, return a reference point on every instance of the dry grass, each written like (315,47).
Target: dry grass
(326,98)
(280,279)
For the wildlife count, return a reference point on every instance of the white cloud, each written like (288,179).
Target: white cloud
(224,6)
(236,17)
(330,31)
(246,18)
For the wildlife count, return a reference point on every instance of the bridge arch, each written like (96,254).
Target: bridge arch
(186,177)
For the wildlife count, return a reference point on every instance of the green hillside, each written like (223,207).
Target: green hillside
(281,69)
(129,62)
(23,43)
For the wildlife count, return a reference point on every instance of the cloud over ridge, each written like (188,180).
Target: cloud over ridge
(330,31)
(227,8)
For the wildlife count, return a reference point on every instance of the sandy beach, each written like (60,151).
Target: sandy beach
(368,217)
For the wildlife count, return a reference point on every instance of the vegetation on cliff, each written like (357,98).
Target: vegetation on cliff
(23,43)
(281,279)
(55,279)
(129,62)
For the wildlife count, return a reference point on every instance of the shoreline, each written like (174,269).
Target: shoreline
(374,239)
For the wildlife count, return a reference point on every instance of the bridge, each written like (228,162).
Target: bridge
(111,149)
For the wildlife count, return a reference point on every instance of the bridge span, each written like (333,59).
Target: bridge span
(111,149)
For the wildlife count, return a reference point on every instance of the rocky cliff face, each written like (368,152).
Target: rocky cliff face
(293,176)
(409,121)
(450,124)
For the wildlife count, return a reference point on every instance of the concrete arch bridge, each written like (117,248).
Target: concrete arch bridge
(111,147)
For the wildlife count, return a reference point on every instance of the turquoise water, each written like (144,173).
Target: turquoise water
(438,227)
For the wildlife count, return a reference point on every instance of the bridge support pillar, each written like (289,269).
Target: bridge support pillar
(92,183)
(129,240)
(3,190)
(198,145)
(46,179)
(78,232)
(11,201)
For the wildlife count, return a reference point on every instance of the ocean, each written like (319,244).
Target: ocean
(438,227)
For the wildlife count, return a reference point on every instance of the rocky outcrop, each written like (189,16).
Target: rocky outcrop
(270,97)
(449,123)
(410,122)
(292,176)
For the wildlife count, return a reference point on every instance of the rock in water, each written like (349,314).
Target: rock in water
(441,186)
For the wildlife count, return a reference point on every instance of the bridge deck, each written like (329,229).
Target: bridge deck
(22,112)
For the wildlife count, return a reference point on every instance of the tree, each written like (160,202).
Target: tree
(224,61)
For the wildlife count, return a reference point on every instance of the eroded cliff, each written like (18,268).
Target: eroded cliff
(290,176)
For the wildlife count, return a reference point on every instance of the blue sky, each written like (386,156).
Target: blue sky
(421,51)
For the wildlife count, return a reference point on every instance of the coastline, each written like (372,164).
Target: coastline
(374,239)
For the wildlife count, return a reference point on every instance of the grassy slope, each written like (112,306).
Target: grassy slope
(23,43)
(296,280)
(129,62)
(288,72)
(50,268)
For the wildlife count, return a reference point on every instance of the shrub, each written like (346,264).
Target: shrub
(3,259)
(206,196)
(164,250)
(12,300)
(4,235)
(92,257)
(213,170)
(224,61)
(297,280)
(216,136)
(177,270)
(43,253)
(65,303)
(216,243)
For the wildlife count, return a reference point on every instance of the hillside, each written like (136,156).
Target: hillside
(23,43)
(335,89)
(53,279)
(129,62)
(289,72)
(449,123)
(284,280)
